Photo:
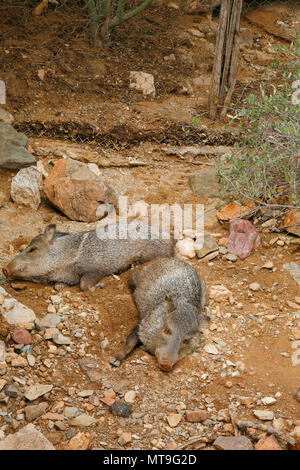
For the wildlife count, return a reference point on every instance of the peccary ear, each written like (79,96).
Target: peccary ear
(50,233)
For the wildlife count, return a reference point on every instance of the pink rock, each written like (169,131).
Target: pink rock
(22,337)
(243,238)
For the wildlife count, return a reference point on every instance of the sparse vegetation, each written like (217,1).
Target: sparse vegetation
(266,165)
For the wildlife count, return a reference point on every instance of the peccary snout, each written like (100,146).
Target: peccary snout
(177,335)
(172,344)
(32,261)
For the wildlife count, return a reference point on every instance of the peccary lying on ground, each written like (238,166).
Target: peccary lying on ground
(169,295)
(87,257)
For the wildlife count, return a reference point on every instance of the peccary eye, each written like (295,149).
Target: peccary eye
(167,331)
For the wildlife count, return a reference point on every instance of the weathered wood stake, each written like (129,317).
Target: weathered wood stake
(226,57)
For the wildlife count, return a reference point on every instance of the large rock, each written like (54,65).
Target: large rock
(14,312)
(26,186)
(28,438)
(76,191)
(233,443)
(11,136)
(13,144)
(243,238)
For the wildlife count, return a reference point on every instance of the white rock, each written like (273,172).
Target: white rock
(211,349)
(14,312)
(26,186)
(219,293)
(186,248)
(37,390)
(129,396)
(264,415)
(268,400)
(254,286)
(143,82)
(83,420)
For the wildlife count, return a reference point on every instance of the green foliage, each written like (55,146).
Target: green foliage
(266,164)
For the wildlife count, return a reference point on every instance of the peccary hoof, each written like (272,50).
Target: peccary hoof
(114,362)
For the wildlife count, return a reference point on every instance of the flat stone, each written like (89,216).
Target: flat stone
(35,411)
(60,339)
(37,390)
(80,441)
(85,393)
(83,420)
(50,320)
(28,438)
(233,443)
(264,415)
(71,412)
(11,391)
(174,419)
(211,349)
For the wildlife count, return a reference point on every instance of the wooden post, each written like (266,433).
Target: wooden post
(226,57)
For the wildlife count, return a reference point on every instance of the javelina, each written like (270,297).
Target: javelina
(169,295)
(87,257)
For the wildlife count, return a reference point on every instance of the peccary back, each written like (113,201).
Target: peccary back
(86,257)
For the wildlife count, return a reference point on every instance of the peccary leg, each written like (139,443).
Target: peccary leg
(131,342)
(89,280)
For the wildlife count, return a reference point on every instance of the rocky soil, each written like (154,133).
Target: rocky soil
(56,373)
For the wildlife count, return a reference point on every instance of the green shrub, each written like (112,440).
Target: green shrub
(266,164)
